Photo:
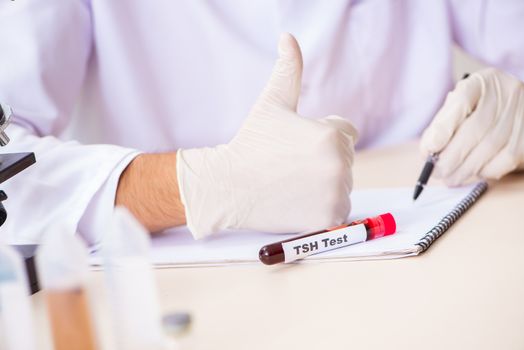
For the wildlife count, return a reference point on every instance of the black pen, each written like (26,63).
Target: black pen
(428,168)
(425,174)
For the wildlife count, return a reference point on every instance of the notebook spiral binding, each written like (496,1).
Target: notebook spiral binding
(448,220)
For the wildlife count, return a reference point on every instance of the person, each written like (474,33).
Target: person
(186,132)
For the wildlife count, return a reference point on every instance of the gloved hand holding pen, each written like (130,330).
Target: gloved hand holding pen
(479,131)
(280,173)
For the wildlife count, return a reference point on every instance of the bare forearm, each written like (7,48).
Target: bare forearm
(148,187)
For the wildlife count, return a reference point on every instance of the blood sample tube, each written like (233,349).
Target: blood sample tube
(332,238)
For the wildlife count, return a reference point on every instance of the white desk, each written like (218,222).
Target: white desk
(466,292)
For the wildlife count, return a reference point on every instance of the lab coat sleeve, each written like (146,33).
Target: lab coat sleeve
(45,50)
(491,31)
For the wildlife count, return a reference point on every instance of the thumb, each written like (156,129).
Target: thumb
(283,88)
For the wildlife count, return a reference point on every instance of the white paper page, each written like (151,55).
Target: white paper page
(414,219)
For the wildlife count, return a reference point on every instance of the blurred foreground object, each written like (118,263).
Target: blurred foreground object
(131,286)
(63,269)
(16,323)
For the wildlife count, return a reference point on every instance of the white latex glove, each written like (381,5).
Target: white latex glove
(280,173)
(479,130)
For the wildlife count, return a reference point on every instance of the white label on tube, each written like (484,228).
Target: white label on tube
(300,248)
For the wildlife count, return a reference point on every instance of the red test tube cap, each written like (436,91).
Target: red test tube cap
(390,226)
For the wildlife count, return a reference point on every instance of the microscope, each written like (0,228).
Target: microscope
(10,163)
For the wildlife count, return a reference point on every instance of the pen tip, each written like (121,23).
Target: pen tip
(418,191)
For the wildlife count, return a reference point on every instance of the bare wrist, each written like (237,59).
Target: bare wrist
(148,187)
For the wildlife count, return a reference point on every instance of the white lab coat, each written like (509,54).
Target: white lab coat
(157,76)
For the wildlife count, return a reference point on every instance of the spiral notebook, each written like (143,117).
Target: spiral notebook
(419,224)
